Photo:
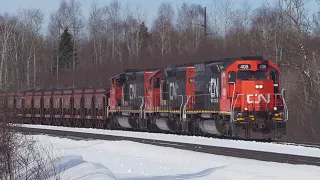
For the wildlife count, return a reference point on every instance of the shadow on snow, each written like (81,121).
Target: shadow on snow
(203,173)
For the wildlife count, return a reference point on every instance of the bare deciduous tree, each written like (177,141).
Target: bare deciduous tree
(162,29)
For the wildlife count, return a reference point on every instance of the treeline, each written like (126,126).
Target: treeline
(86,51)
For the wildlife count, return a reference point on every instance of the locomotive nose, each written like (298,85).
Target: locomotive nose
(257,95)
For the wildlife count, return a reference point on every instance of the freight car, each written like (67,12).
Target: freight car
(236,97)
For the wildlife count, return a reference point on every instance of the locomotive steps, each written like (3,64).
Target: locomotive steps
(217,150)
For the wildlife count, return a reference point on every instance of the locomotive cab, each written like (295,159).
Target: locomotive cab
(255,94)
(116,91)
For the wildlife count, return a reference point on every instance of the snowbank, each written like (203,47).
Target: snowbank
(73,167)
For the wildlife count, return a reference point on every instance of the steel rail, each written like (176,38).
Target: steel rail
(217,150)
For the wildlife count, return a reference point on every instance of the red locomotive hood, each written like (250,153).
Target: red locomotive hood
(257,95)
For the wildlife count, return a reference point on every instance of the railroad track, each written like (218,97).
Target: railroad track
(225,151)
(292,143)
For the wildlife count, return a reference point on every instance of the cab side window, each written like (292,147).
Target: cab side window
(274,75)
(232,77)
(156,83)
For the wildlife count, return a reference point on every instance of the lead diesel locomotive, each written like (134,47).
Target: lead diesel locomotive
(238,97)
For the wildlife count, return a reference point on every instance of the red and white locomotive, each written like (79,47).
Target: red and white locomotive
(239,97)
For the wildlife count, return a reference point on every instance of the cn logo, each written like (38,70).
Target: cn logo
(214,89)
(251,98)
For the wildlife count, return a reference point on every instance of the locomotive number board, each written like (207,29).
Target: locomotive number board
(262,66)
(244,66)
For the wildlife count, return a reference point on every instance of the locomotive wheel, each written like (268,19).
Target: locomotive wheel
(152,124)
(220,124)
(234,130)
(185,127)
(143,126)
(193,128)
(113,122)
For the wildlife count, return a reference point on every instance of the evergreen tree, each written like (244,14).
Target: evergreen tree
(143,35)
(65,53)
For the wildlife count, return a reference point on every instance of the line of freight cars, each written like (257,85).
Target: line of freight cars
(62,107)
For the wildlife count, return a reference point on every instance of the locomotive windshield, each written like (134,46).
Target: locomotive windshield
(246,75)
(260,75)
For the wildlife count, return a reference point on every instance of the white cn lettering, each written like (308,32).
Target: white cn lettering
(214,88)
(173,91)
(132,92)
(260,96)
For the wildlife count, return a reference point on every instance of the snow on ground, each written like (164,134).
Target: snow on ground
(125,160)
(259,146)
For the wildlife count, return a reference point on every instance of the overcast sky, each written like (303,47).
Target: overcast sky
(48,6)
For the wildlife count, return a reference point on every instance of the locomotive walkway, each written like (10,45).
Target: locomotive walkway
(224,151)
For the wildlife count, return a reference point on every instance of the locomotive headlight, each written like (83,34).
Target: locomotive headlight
(245,108)
(275,108)
(259,86)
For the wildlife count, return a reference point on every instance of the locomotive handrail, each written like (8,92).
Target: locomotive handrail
(234,89)
(285,105)
(232,116)
(181,106)
(107,111)
(234,105)
(184,112)
(141,106)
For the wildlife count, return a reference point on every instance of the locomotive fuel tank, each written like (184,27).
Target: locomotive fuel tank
(124,122)
(211,125)
(165,124)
